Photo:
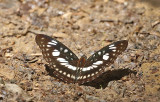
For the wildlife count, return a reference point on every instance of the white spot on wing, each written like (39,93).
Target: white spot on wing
(73,77)
(61,49)
(114,50)
(61,60)
(68,75)
(84,77)
(64,73)
(71,67)
(52,43)
(66,64)
(106,56)
(111,45)
(99,53)
(48,45)
(94,66)
(80,77)
(67,57)
(98,62)
(54,65)
(60,71)
(87,68)
(88,75)
(65,51)
(47,49)
(92,74)
(48,54)
(55,52)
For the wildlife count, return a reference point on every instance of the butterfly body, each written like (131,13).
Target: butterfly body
(69,68)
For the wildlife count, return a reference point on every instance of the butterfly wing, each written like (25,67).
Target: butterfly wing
(95,64)
(59,57)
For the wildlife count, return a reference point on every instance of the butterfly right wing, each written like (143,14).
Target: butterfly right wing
(59,57)
(96,64)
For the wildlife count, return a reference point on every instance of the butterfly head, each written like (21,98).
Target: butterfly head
(83,57)
(82,61)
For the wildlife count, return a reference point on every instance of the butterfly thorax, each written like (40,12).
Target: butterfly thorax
(80,64)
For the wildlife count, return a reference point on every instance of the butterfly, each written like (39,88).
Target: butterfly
(69,68)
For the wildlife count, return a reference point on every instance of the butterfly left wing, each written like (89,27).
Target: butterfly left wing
(59,57)
(95,64)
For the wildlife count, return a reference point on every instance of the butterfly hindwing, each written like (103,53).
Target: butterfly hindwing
(59,57)
(96,64)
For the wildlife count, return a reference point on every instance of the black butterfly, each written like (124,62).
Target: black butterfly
(69,68)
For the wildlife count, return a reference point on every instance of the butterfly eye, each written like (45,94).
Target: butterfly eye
(69,68)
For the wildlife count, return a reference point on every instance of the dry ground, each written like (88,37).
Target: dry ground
(84,26)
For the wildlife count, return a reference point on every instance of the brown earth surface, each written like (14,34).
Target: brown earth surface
(84,26)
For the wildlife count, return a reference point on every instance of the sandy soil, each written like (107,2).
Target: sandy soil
(84,26)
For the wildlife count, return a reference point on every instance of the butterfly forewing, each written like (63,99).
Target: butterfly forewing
(59,57)
(96,64)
